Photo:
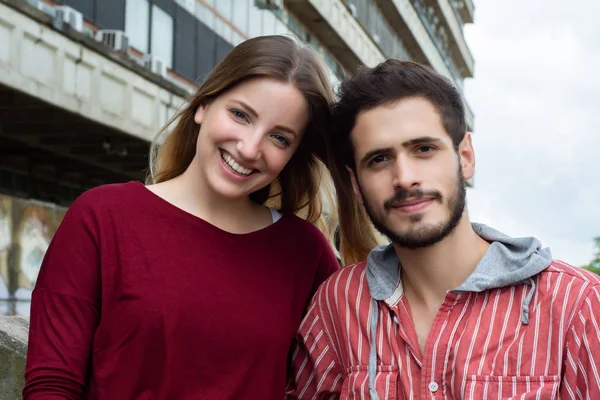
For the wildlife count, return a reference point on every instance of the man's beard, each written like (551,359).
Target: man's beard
(426,235)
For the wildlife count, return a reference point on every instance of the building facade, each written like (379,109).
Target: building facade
(85,85)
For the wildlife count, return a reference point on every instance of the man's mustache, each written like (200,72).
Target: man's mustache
(402,195)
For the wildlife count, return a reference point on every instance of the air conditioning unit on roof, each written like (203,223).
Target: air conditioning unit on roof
(269,4)
(115,39)
(156,65)
(43,7)
(69,16)
(352,9)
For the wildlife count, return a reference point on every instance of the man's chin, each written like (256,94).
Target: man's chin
(419,236)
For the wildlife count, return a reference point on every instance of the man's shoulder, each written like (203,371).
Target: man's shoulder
(346,291)
(577,274)
(346,282)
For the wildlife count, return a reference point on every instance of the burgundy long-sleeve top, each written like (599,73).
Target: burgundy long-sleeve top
(137,299)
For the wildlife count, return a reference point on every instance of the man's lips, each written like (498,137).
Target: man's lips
(411,202)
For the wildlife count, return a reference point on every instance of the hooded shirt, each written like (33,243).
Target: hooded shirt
(506,331)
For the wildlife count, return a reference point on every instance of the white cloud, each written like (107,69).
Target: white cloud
(536,98)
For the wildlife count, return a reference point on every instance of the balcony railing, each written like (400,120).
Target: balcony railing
(372,20)
(300,32)
(455,26)
(438,35)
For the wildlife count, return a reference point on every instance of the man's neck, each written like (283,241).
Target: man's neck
(428,273)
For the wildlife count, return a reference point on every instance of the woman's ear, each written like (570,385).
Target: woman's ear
(200,111)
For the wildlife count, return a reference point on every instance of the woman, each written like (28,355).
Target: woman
(190,287)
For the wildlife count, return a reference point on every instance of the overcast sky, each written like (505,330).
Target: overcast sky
(536,99)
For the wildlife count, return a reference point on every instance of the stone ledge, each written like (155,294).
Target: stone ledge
(13,352)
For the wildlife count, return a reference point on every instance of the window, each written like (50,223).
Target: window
(255,21)
(162,35)
(280,28)
(236,38)
(136,23)
(268,23)
(205,15)
(240,15)
(221,29)
(225,8)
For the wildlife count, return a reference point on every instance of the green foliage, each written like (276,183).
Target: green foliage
(594,265)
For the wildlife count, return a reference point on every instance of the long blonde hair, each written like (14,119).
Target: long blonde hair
(297,189)
(357,236)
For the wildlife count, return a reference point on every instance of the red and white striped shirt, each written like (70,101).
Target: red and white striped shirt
(478,346)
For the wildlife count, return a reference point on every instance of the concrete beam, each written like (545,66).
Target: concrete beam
(409,15)
(467,11)
(467,63)
(404,10)
(49,65)
(339,31)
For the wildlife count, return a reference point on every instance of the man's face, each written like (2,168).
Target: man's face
(409,177)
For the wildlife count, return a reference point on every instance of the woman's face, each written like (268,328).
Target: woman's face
(248,134)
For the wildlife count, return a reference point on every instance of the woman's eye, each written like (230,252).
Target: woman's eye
(281,139)
(239,114)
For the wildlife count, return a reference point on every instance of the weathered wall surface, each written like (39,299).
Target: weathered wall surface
(13,349)
(26,228)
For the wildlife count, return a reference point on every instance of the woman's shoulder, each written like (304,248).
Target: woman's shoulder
(104,197)
(305,231)
(301,225)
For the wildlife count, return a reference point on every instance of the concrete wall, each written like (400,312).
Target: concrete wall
(13,349)
(26,228)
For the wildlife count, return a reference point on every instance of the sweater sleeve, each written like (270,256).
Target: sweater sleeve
(581,377)
(65,309)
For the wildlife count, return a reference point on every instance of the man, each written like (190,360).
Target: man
(450,309)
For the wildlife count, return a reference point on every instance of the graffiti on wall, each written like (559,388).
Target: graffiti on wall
(26,228)
(5,240)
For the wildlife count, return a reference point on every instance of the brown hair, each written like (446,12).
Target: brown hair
(387,83)
(297,187)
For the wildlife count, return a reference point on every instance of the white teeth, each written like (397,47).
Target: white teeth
(235,166)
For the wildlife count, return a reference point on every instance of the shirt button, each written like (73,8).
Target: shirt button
(433,387)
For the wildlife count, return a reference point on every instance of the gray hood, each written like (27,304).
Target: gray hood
(508,261)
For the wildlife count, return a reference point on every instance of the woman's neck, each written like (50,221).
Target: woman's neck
(188,192)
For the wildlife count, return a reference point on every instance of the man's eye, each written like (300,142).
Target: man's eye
(378,159)
(425,149)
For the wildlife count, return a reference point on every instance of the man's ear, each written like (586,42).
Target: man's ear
(355,185)
(466,155)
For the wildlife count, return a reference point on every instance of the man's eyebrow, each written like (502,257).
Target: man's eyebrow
(420,140)
(387,150)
